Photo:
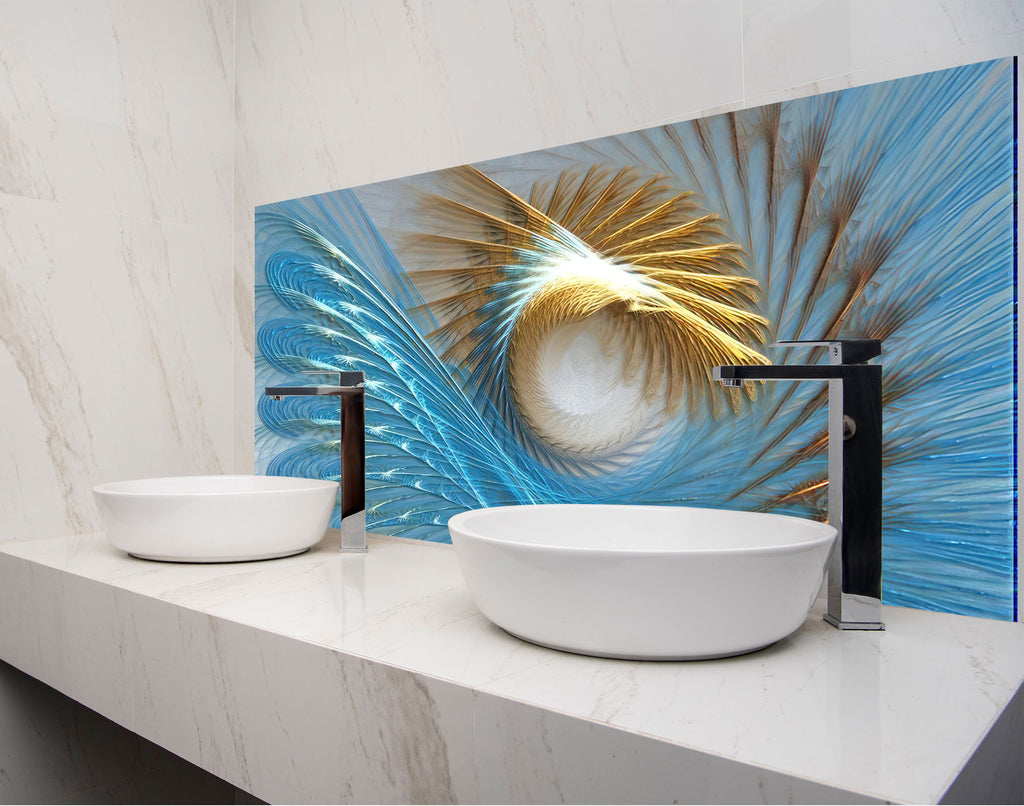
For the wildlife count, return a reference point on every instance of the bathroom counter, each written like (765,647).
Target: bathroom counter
(373,678)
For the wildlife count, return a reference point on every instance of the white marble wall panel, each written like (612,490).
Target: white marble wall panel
(335,95)
(803,47)
(115,339)
(119,105)
(243,352)
(116,304)
(339,94)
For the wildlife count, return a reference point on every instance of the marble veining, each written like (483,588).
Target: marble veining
(42,365)
(103,108)
(93,761)
(116,184)
(385,656)
(122,370)
(809,47)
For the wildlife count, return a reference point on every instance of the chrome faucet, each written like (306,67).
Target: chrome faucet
(854,470)
(352,397)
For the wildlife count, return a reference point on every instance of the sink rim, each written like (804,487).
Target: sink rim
(273,485)
(827,532)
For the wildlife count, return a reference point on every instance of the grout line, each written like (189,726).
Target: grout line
(234,231)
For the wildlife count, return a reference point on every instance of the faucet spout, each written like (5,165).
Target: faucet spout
(736,375)
(854,471)
(352,397)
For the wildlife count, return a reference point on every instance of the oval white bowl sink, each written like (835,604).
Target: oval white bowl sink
(210,519)
(642,582)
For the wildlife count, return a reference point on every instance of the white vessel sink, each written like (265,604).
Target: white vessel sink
(210,519)
(639,582)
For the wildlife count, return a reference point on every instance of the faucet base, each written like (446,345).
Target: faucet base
(854,625)
(353,532)
(335,538)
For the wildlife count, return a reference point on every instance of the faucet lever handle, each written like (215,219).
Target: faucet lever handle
(842,351)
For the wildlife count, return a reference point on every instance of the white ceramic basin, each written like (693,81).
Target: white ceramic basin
(647,583)
(210,519)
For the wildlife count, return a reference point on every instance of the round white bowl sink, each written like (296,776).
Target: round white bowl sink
(642,582)
(211,519)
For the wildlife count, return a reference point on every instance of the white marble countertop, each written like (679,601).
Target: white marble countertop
(822,715)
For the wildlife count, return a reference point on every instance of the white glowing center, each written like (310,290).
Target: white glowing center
(583,401)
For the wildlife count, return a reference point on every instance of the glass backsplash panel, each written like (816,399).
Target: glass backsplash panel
(541,328)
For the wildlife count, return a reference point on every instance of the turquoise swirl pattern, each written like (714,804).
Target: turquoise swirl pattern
(540,328)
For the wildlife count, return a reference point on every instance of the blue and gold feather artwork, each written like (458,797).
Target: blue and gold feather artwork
(542,328)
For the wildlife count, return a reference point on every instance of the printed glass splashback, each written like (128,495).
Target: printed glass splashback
(541,328)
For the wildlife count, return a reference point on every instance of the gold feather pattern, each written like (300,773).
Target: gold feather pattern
(664,288)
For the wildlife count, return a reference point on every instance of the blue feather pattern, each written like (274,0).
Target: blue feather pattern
(883,211)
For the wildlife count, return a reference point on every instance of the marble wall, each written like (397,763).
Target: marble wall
(116,313)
